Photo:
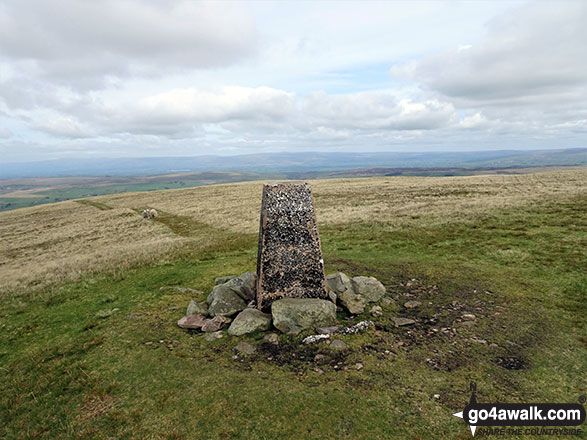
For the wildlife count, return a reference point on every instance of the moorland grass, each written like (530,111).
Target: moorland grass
(102,357)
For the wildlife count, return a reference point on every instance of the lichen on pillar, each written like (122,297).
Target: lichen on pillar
(289,261)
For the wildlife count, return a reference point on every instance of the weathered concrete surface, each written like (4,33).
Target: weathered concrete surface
(289,262)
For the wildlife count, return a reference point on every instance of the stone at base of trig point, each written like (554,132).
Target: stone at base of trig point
(289,261)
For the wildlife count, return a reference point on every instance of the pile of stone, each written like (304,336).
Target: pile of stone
(288,291)
(232,303)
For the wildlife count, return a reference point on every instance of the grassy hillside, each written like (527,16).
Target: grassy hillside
(89,347)
(23,192)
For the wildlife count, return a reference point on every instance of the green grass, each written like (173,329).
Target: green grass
(9,203)
(103,357)
(61,194)
(91,191)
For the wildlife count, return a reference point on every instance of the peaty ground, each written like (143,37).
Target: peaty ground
(89,347)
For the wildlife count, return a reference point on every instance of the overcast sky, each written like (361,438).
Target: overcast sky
(81,78)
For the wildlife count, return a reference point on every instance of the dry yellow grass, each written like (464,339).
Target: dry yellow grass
(390,200)
(46,244)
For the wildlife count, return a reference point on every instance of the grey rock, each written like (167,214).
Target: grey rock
(468,317)
(244,348)
(331,295)
(412,304)
(272,338)
(479,341)
(224,301)
(214,335)
(369,288)
(215,324)
(354,303)
(327,330)
(376,311)
(292,315)
(238,286)
(402,321)
(314,338)
(359,366)
(386,300)
(200,308)
(191,322)
(338,345)
(249,321)
(250,284)
(222,280)
(243,286)
(338,282)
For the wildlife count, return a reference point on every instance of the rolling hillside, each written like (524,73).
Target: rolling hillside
(89,347)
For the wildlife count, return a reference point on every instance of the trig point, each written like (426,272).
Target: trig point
(289,262)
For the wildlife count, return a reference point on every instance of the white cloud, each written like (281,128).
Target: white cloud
(231,102)
(376,110)
(85,42)
(5,133)
(538,49)
(63,126)
(180,77)
(474,121)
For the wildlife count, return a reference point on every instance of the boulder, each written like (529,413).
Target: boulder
(249,284)
(215,324)
(243,286)
(402,321)
(195,321)
(354,294)
(222,280)
(249,321)
(354,303)
(244,348)
(369,288)
(199,308)
(412,304)
(292,315)
(214,335)
(338,345)
(224,301)
(338,283)
(331,295)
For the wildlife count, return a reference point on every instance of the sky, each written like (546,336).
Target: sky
(130,78)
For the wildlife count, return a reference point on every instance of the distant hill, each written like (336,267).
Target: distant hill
(292,162)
